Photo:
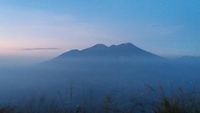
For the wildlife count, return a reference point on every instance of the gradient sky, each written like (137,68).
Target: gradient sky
(46,28)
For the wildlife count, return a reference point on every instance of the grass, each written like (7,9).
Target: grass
(178,102)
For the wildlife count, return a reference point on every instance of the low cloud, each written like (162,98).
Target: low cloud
(39,49)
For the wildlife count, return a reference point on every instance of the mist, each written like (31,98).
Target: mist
(121,74)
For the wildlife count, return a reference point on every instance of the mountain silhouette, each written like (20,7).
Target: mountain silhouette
(114,51)
(124,56)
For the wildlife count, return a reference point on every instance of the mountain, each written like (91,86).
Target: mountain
(114,51)
(125,57)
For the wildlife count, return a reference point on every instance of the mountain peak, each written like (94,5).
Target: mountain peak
(99,46)
(127,44)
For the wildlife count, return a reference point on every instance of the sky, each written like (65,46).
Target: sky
(43,29)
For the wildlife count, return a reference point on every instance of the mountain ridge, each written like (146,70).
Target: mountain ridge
(101,50)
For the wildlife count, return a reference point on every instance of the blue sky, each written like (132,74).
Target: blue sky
(164,27)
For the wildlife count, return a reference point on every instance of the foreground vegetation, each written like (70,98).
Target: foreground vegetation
(177,102)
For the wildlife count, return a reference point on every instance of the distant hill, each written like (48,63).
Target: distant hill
(193,61)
